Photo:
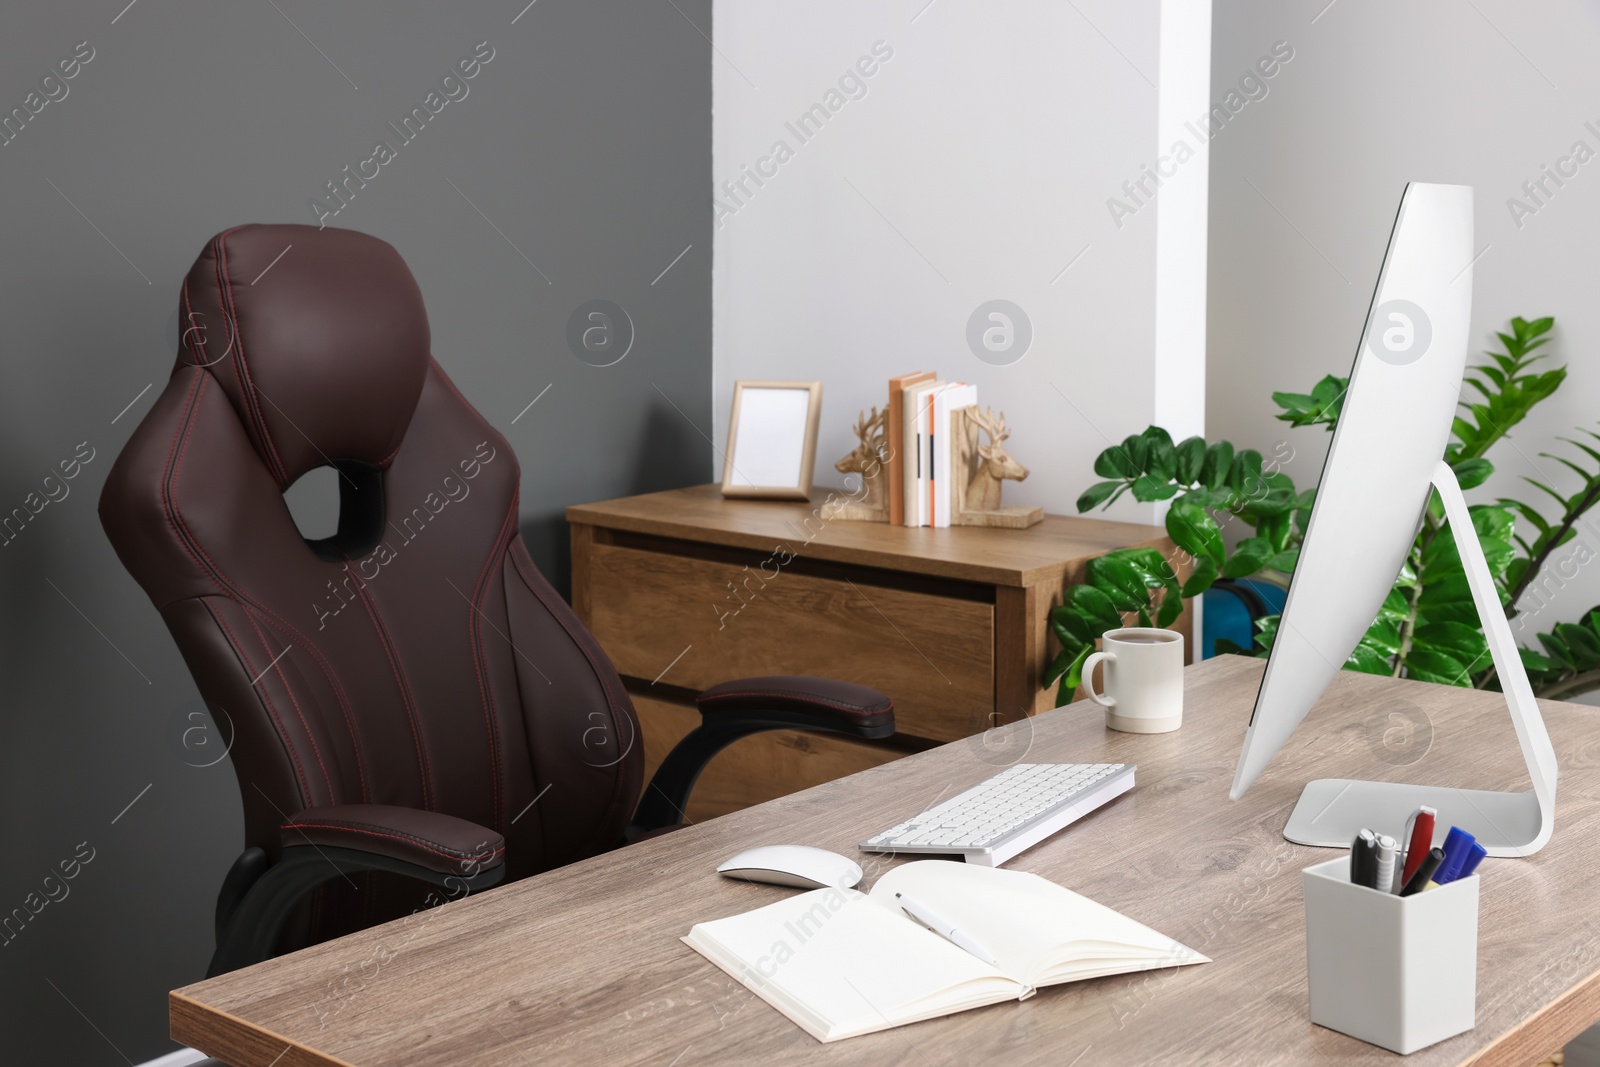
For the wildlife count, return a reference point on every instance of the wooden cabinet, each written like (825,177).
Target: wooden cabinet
(685,589)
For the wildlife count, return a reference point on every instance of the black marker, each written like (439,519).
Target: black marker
(1424,874)
(1364,859)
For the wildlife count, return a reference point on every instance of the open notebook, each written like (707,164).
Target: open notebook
(840,963)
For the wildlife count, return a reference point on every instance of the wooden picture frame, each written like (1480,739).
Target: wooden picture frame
(776,453)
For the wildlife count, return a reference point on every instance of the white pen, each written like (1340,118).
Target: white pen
(1387,852)
(944,928)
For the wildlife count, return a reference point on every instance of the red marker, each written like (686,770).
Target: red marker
(1419,839)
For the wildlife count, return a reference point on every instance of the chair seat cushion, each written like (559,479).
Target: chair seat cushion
(429,839)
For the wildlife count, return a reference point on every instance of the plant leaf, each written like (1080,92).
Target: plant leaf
(1097,494)
(1431,665)
(1191,457)
(1244,477)
(1266,633)
(1148,487)
(1249,557)
(1448,600)
(1193,529)
(1201,578)
(1162,461)
(1368,660)
(1218,462)
(1533,661)
(1461,641)
(1072,678)
(1119,580)
(1395,607)
(1472,473)
(1583,645)
(1115,462)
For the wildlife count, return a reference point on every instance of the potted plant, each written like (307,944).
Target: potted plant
(1427,627)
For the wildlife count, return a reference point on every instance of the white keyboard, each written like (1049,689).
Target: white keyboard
(1013,811)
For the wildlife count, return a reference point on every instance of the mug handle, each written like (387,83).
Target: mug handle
(1088,678)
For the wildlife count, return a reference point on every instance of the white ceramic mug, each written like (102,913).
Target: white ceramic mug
(1143,679)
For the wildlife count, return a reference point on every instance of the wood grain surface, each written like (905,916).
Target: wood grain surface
(583,965)
(650,610)
(1037,555)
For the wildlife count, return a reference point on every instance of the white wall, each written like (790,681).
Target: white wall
(975,165)
(1305,183)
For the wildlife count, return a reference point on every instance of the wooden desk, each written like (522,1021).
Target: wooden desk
(684,589)
(583,965)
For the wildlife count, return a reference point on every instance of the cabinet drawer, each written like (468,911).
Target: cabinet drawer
(692,623)
(754,769)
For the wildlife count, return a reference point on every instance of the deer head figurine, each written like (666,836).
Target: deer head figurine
(868,456)
(983,491)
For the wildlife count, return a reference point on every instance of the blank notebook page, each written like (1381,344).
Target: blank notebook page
(1039,931)
(857,965)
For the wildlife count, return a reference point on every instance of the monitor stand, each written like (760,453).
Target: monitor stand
(1331,811)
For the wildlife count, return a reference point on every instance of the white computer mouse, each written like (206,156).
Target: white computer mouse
(800,866)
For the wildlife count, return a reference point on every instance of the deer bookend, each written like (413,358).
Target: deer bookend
(868,457)
(983,491)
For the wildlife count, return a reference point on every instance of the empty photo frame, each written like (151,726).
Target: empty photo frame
(772,440)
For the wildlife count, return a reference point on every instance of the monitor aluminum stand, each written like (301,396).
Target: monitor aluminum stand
(1331,810)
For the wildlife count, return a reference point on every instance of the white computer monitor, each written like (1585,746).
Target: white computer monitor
(1385,458)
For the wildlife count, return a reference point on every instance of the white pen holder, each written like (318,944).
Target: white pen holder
(1398,972)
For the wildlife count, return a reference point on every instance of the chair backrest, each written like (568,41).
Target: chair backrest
(416,657)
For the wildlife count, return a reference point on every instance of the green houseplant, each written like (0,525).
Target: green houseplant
(1427,627)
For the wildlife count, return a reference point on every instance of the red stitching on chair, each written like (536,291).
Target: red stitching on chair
(407,698)
(383,464)
(577,638)
(283,739)
(169,510)
(186,539)
(480,660)
(177,467)
(474,631)
(441,850)
(241,372)
(186,325)
(433,365)
(291,634)
(306,726)
(247,382)
(252,416)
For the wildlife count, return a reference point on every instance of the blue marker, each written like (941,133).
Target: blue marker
(1474,857)
(1456,847)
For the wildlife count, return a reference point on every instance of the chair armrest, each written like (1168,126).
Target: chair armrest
(842,707)
(748,706)
(428,839)
(338,841)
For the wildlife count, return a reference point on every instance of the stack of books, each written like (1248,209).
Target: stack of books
(922,468)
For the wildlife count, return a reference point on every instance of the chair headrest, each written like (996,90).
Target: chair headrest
(318,337)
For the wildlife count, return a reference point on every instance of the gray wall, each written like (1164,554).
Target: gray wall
(586,141)
(1305,184)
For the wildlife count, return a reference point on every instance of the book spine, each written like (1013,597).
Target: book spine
(897,463)
(927,421)
(911,450)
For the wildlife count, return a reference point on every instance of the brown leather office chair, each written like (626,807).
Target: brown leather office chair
(408,696)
